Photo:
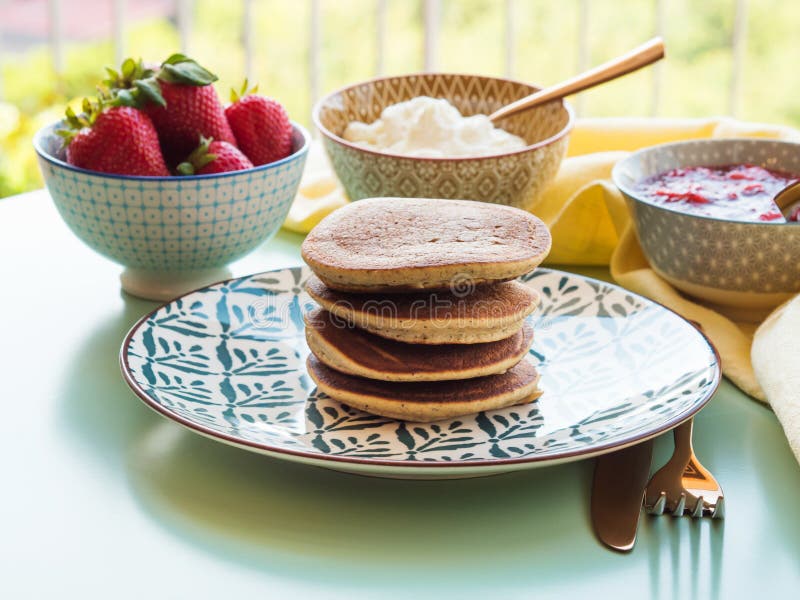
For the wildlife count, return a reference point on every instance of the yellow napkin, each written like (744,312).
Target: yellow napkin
(591,226)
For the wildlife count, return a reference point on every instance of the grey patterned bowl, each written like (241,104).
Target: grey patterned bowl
(514,178)
(745,269)
(173,234)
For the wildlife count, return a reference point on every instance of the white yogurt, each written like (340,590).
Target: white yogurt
(431,127)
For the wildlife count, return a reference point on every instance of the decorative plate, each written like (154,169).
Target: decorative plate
(228,361)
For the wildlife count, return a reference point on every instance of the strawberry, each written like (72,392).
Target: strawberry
(261,126)
(180,100)
(191,111)
(213,156)
(113,139)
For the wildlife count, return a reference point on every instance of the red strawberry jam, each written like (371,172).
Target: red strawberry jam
(733,192)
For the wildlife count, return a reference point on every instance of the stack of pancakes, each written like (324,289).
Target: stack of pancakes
(419,316)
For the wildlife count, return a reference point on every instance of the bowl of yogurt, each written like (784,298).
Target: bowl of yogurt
(428,135)
(704,215)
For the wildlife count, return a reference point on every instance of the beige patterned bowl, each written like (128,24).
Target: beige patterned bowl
(514,178)
(746,269)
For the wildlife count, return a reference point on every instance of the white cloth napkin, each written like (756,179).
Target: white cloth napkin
(776,360)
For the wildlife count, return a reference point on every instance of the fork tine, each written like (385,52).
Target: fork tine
(658,507)
(680,506)
(682,485)
(719,509)
(698,509)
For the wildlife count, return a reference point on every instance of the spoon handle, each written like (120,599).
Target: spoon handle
(639,57)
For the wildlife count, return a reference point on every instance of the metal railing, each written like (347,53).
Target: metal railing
(431,13)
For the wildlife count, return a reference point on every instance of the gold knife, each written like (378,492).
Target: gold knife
(617,491)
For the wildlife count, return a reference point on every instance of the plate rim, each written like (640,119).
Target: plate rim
(293,454)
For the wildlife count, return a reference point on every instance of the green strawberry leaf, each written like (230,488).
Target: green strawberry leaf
(66,135)
(194,163)
(187,74)
(205,159)
(198,159)
(237,95)
(176,58)
(181,69)
(185,168)
(125,98)
(128,68)
(133,85)
(76,121)
(150,90)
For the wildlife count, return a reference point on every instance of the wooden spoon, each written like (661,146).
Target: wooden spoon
(644,55)
(788,200)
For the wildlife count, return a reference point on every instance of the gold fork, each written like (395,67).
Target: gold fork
(683,485)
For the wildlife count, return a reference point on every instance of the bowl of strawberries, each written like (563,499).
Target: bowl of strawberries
(156,174)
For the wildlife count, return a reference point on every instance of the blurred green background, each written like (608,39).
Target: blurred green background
(695,81)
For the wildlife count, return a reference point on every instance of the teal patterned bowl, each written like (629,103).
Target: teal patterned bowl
(172,234)
(743,269)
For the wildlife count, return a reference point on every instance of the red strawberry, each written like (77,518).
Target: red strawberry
(180,100)
(212,156)
(191,111)
(113,139)
(261,126)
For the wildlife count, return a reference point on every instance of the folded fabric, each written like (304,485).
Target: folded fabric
(776,350)
(590,225)
(632,133)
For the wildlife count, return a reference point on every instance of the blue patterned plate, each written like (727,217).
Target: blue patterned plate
(228,361)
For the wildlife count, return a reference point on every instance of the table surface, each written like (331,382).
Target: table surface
(103,498)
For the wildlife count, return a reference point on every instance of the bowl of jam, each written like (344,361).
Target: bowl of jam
(705,217)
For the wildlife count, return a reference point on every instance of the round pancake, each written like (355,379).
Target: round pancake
(408,244)
(486,314)
(430,400)
(357,352)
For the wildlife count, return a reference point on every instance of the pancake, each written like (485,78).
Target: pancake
(408,244)
(430,400)
(486,314)
(357,352)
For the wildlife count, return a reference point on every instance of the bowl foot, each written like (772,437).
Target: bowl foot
(159,285)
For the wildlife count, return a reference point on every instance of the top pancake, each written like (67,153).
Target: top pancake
(409,244)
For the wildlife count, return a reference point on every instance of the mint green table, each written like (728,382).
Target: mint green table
(102,498)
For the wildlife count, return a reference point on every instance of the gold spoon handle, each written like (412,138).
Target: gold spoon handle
(787,198)
(644,55)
